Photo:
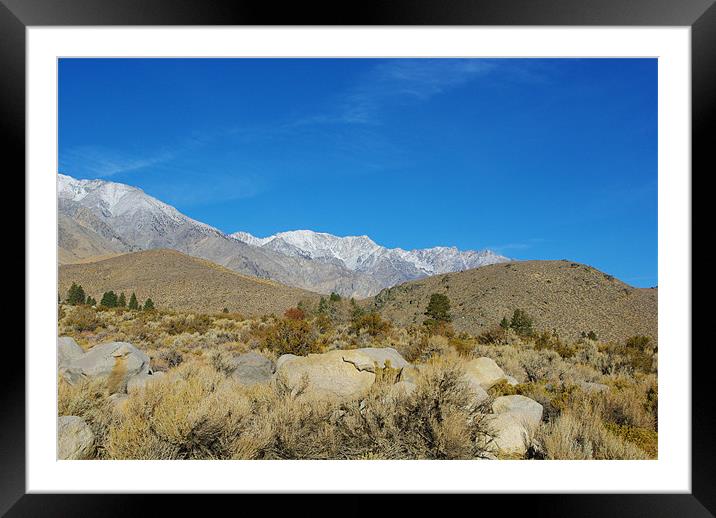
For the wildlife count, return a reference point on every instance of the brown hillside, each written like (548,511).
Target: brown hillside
(568,296)
(177,281)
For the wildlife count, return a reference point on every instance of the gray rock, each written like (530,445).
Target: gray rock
(511,380)
(75,440)
(338,375)
(479,394)
(284,358)
(251,368)
(510,436)
(384,355)
(485,372)
(67,350)
(115,362)
(140,381)
(527,411)
(411,373)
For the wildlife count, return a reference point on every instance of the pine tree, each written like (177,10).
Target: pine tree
(439,308)
(75,295)
(322,306)
(521,323)
(504,323)
(148,305)
(335,297)
(109,299)
(122,301)
(133,304)
(91,301)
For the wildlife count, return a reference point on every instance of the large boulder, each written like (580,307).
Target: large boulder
(411,374)
(115,362)
(514,421)
(140,381)
(479,394)
(384,356)
(251,368)
(332,375)
(75,439)
(509,435)
(67,350)
(485,372)
(524,409)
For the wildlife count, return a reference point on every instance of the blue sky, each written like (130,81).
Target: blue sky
(533,158)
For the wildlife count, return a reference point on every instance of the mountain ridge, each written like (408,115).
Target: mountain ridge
(98,217)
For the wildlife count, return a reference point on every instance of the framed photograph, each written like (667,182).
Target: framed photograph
(417,250)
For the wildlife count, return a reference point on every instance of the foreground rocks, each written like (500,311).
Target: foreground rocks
(339,374)
(67,350)
(484,372)
(114,362)
(251,368)
(514,421)
(75,440)
(140,381)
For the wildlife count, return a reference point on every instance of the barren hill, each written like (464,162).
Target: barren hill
(177,281)
(570,297)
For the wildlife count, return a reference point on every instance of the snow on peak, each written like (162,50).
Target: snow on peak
(360,253)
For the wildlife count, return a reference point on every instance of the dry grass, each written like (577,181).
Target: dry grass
(198,412)
(178,281)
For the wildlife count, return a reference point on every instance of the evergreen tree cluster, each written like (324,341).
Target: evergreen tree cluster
(521,322)
(76,296)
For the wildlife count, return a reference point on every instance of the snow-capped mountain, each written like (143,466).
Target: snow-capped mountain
(98,217)
(362,254)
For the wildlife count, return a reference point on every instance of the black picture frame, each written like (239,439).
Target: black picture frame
(700,15)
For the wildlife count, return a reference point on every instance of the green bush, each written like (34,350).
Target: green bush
(438,308)
(522,323)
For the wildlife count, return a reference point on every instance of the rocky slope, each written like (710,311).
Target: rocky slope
(177,281)
(562,295)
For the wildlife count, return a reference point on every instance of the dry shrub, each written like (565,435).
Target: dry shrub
(196,414)
(291,337)
(464,344)
(171,358)
(580,434)
(82,318)
(438,420)
(550,341)
(631,402)
(645,439)
(372,324)
(87,399)
(494,335)
(187,324)
(294,314)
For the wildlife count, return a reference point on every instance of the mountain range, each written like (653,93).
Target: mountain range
(98,218)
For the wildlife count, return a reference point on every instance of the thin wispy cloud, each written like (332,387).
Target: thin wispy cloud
(216,187)
(522,245)
(102,162)
(398,82)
